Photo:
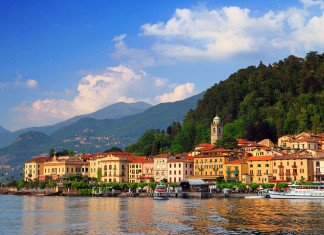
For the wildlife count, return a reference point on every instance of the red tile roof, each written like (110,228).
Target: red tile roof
(260,158)
(40,159)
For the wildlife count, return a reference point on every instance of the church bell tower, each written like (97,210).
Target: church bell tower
(216,130)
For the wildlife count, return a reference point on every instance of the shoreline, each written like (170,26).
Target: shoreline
(123,194)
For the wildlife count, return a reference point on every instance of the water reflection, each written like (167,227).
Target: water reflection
(78,215)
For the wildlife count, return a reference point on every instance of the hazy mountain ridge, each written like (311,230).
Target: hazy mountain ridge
(117,110)
(95,135)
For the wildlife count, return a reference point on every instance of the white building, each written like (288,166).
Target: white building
(179,168)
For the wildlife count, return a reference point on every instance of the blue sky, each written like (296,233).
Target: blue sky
(59,59)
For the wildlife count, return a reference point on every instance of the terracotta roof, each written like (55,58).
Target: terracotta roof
(292,156)
(162,155)
(40,159)
(260,158)
(139,159)
(204,147)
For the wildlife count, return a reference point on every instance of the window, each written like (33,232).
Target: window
(251,165)
(170,165)
(259,165)
(266,165)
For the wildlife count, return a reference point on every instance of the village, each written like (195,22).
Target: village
(254,164)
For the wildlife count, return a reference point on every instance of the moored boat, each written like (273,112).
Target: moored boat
(161,193)
(263,193)
(315,191)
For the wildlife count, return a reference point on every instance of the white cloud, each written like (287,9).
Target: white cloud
(31,83)
(311,3)
(136,58)
(223,33)
(160,82)
(95,91)
(180,92)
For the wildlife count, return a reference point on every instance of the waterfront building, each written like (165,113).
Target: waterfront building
(318,166)
(260,169)
(59,167)
(161,167)
(34,168)
(148,170)
(179,168)
(293,167)
(114,168)
(216,130)
(209,164)
(96,160)
(140,169)
(237,170)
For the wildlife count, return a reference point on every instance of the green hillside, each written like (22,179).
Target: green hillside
(264,101)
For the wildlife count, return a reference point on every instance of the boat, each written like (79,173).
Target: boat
(263,193)
(161,193)
(314,191)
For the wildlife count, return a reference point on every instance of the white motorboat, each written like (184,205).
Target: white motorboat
(315,191)
(161,193)
(261,194)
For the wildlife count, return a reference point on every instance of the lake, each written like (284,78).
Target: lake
(89,215)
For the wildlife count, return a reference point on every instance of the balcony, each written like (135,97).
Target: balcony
(281,166)
(281,174)
(288,173)
(294,166)
(294,173)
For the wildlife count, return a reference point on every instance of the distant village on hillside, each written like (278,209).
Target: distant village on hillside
(294,158)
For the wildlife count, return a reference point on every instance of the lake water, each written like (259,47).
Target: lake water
(87,215)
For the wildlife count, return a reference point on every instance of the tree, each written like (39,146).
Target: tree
(51,152)
(227,142)
(113,149)
(254,186)
(21,184)
(282,185)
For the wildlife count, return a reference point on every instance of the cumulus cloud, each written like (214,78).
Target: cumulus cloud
(96,91)
(180,92)
(223,33)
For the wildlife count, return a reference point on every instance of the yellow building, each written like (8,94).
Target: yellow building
(135,168)
(293,167)
(34,168)
(236,170)
(260,169)
(210,164)
(114,169)
(62,166)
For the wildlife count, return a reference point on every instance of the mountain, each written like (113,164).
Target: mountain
(117,110)
(156,117)
(94,135)
(26,145)
(3,131)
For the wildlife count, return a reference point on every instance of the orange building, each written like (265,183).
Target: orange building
(260,168)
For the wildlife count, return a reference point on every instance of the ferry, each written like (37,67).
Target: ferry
(315,191)
(161,193)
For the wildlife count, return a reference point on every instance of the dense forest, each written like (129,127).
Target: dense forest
(264,101)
